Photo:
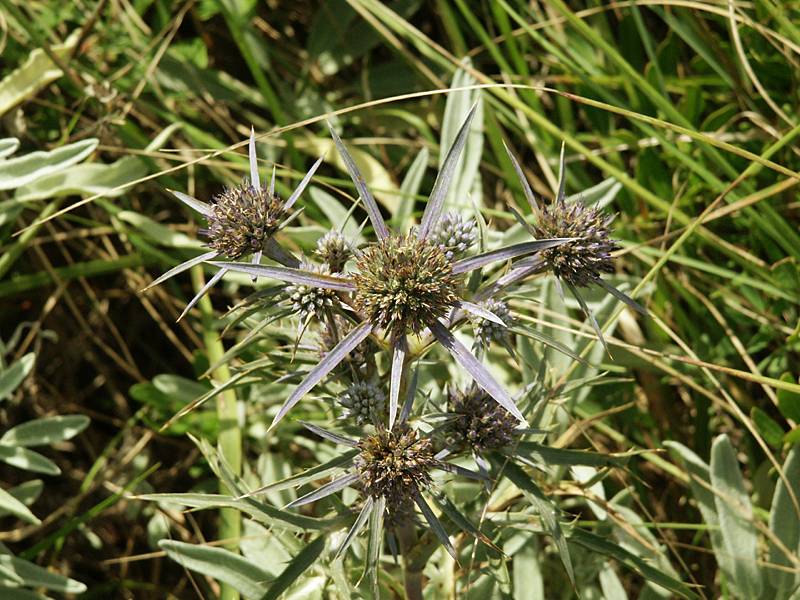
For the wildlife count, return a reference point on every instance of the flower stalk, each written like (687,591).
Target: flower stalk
(229,441)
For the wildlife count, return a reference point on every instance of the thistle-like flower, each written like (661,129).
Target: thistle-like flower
(392,470)
(579,262)
(404,284)
(478,423)
(365,402)
(334,250)
(309,300)
(395,464)
(454,235)
(488,331)
(582,261)
(241,221)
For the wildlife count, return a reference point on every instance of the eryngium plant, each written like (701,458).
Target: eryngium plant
(391,443)
(242,221)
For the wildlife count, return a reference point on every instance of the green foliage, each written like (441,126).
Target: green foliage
(680,118)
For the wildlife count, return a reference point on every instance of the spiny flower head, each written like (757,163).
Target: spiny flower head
(454,235)
(479,423)
(365,401)
(404,283)
(334,250)
(582,261)
(395,464)
(242,219)
(311,300)
(487,331)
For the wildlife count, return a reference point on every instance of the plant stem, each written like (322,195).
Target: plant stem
(15,250)
(412,574)
(229,441)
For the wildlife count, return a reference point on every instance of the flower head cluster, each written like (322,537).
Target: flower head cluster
(487,331)
(395,464)
(404,283)
(334,250)
(454,235)
(242,219)
(479,423)
(582,261)
(310,300)
(365,402)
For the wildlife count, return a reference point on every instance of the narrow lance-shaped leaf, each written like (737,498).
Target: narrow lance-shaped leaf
(526,188)
(325,490)
(220,564)
(11,505)
(433,210)
(375,543)
(358,180)
(476,370)
(295,569)
(274,250)
(436,525)
(736,520)
(399,348)
(358,525)
(46,430)
(784,522)
(481,312)
(312,474)
(184,266)
(547,512)
(623,297)
(204,208)
(254,180)
(301,186)
(588,312)
(481,260)
(202,292)
(12,376)
(325,366)
(290,275)
(329,435)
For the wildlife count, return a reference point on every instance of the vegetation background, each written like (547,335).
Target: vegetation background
(690,106)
